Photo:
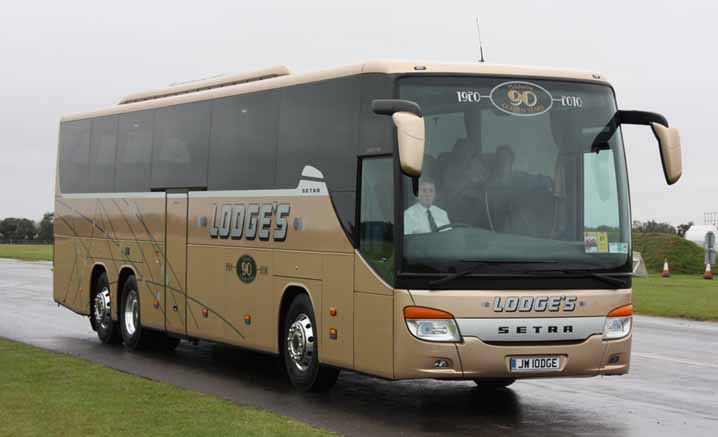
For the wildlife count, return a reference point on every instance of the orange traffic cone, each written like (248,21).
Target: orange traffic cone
(708,273)
(666,272)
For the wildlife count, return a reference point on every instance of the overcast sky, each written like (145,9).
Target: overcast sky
(72,56)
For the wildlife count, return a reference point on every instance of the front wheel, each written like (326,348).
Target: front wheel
(494,383)
(300,349)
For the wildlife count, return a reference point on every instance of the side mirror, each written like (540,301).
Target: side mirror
(669,140)
(410,131)
(411,135)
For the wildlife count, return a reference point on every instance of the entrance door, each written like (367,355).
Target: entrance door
(176,263)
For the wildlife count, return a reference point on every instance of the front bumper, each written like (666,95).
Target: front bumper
(474,358)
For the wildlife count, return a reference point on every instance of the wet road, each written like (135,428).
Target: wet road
(672,388)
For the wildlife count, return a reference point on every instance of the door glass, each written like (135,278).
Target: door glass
(601,216)
(376,229)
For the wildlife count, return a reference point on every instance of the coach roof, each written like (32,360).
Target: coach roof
(280,76)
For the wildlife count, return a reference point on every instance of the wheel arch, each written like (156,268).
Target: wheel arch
(97,270)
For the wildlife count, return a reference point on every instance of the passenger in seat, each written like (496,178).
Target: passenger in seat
(500,202)
(465,174)
(504,165)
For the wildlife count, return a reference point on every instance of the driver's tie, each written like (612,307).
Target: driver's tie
(432,223)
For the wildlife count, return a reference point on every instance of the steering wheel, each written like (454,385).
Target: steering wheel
(452,225)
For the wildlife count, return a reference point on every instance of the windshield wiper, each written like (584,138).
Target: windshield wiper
(607,278)
(482,263)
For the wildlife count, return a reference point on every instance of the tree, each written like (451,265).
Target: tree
(15,229)
(654,226)
(45,233)
(683,228)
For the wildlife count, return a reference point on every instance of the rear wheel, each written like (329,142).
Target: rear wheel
(493,383)
(300,349)
(101,319)
(133,335)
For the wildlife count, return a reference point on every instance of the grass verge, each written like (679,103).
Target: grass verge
(28,252)
(686,296)
(46,393)
(683,256)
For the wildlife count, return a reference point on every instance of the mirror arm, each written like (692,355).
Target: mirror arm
(640,117)
(390,106)
(415,185)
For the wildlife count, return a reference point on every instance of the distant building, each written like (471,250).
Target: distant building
(705,237)
(710,218)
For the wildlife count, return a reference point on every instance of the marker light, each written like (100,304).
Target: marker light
(618,323)
(431,325)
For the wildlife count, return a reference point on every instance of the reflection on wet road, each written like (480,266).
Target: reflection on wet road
(672,388)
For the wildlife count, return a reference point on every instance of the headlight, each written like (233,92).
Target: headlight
(616,327)
(618,323)
(431,325)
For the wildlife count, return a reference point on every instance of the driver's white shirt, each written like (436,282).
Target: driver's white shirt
(417,222)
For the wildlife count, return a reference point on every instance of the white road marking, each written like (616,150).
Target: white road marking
(674,360)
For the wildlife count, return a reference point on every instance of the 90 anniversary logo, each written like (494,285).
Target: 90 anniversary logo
(521,98)
(246,269)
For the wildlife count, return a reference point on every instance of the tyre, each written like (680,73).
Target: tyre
(133,335)
(300,349)
(494,383)
(101,313)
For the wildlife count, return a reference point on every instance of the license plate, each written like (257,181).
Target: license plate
(535,364)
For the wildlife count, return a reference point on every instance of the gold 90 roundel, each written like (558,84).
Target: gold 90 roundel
(246,269)
(521,98)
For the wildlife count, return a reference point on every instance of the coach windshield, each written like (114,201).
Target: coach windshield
(519,175)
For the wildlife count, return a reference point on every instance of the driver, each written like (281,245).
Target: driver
(424,217)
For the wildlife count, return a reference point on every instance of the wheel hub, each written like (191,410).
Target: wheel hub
(300,342)
(132,313)
(102,308)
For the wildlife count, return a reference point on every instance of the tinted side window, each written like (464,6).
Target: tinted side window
(134,151)
(243,146)
(74,156)
(376,132)
(181,146)
(103,141)
(319,127)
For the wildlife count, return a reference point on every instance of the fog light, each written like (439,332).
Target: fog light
(614,359)
(441,364)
